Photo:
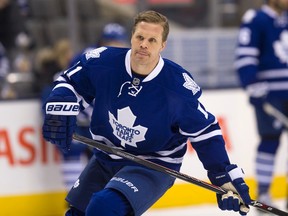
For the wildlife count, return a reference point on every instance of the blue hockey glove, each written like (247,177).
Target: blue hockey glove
(257,93)
(237,197)
(257,102)
(60,121)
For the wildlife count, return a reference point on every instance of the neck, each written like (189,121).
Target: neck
(143,69)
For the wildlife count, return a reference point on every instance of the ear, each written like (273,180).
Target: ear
(163,46)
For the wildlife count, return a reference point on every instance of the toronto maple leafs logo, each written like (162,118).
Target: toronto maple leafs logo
(281,47)
(190,84)
(95,53)
(124,129)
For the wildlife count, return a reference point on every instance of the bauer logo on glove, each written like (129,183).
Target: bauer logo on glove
(60,108)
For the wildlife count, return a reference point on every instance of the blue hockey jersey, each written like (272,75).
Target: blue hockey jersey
(262,51)
(149,116)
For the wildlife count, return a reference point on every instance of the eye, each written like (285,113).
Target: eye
(139,37)
(152,40)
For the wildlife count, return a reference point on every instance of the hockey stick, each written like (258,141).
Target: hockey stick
(274,112)
(154,166)
(271,110)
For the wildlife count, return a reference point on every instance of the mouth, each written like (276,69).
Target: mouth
(142,53)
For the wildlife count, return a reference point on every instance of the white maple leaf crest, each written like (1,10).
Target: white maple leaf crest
(190,84)
(95,53)
(124,129)
(281,47)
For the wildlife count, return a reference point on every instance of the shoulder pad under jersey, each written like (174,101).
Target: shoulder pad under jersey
(248,16)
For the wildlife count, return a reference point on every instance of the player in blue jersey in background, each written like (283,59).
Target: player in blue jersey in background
(145,105)
(261,62)
(113,34)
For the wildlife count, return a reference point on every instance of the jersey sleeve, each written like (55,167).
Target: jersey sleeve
(248,46)
(198,125)
(77,79)
(204,133)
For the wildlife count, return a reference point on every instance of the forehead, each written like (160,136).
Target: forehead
(149,29)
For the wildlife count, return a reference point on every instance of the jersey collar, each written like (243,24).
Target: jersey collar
(269,11)
(152,75)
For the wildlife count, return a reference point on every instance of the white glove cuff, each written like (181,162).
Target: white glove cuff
(236,173)
(244,209)
(257,90)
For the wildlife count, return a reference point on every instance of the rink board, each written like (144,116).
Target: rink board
(53,204)
(30,179)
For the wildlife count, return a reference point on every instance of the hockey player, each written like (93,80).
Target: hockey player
(147,106)
(262,67)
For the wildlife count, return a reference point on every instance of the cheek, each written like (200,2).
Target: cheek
(156,53)
(134,41)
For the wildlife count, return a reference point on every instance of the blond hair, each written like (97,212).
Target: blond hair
(152,17)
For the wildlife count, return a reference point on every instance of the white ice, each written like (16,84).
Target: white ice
(206,210)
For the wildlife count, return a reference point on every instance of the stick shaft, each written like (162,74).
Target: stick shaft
(271,110)
(179,175)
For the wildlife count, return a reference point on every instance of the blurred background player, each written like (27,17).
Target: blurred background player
(262,58)
(4,64)
(113,34)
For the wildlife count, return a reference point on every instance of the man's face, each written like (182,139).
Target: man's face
(147,43)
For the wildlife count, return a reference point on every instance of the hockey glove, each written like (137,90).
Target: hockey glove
(60,121)
(237,197)
(258,93)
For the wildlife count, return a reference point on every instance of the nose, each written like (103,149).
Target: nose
(144,44)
